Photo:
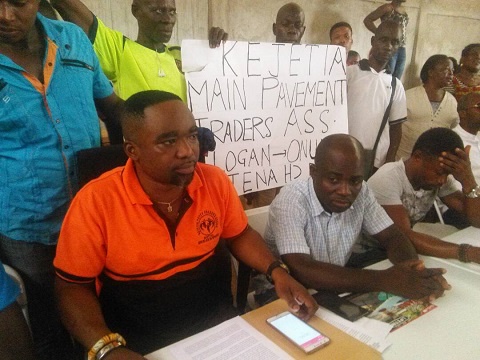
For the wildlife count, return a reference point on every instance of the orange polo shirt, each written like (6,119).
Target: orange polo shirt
(111,227)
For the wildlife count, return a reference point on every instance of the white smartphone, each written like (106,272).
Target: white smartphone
(299,332)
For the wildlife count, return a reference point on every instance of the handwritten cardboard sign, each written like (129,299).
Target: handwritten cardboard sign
(268,104)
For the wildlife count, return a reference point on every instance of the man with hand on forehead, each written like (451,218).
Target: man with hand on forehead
(148,63)
(149,231)
(407,189)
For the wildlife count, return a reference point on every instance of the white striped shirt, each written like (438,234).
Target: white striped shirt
(299,224)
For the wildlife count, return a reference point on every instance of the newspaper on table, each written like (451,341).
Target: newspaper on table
(392,309)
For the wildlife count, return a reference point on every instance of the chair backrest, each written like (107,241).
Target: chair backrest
(22,297)
(257,218)
(91,163)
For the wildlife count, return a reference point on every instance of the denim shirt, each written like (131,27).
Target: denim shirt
(42,126)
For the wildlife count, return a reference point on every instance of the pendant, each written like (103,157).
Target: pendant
(161,73)
(169,208)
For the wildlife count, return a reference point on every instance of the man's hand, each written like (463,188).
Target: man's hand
(215,36)
(297,297)
(413,280)
(459,166)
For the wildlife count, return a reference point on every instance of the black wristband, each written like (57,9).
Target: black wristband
(462,252)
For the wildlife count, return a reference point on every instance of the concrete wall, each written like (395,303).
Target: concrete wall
(436,26)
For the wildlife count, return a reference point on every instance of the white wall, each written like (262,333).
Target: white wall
(436,26)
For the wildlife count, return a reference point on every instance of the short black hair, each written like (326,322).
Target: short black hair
(437,140)
(339,25)
(430,64)
(455,64)
(133,110)
(352,53)
(386,24)
(468,48)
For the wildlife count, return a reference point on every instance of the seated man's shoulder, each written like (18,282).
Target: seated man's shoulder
(390,176)
(295,192)
(391,169)
(106,184)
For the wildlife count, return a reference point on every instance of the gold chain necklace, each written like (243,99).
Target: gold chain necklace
(169,207)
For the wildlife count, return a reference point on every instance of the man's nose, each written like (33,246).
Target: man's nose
(344,189)
(185,148)
(6,12)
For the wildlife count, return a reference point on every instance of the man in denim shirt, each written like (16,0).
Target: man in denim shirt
(50,82)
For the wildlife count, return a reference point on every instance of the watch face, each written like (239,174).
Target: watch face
(474,193)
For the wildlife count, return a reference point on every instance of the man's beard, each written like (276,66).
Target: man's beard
(181,180)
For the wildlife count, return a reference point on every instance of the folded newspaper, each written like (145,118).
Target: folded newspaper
(392,309)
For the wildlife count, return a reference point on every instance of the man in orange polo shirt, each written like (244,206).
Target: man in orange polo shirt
(149,231)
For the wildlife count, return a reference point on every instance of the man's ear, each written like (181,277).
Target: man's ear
(417,155)
(303,31)
(274,29)
(312,168)
(372,40)
(130,149)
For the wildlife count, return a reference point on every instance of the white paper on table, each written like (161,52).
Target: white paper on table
(369,331)
(232,339)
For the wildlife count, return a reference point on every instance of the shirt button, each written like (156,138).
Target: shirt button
(57,121)
(67,46)
(66,147)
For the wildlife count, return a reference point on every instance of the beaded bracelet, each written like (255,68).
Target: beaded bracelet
(107,339)
(462,252)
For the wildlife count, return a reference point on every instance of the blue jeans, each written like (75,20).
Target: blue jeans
(34,263)
(397,62)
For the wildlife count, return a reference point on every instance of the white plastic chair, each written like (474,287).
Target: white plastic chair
(22,297)
(257,219)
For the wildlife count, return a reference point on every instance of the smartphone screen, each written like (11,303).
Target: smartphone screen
(299,332)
